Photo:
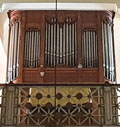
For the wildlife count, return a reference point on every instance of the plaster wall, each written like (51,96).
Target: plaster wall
(117,45)
(4,27)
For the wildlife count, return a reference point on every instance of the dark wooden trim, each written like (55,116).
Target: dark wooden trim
(100,51)
(21,48)
(79,39)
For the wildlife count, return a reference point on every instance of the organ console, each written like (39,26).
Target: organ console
(77,46)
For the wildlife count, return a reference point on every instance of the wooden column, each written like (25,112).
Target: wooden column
(21,47)
(79,39)
(100,50)
(42,45)
(79,36)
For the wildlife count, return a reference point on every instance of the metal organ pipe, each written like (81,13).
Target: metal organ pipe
(89,48)
(92,50)
(72,45)
(9,62)
(104,56)
(52,41)
(36,51)
(67,49)
(18,42)
(112,56)
(108,58)
(12,51)
(13,62)
(54,50)
(32,48)
(15,49)
(66,45)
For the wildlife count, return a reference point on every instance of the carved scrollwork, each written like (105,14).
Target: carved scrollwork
(108,17)
(71,20)
(60,20)
(51,20)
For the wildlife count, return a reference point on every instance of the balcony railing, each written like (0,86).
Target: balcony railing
(34,105)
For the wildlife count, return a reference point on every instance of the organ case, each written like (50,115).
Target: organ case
(74,47)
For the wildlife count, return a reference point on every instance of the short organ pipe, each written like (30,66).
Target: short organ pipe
(32,48)
(89,48)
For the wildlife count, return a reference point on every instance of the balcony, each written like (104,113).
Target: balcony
(49,105)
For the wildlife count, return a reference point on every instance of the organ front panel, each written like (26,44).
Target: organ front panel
(74,47)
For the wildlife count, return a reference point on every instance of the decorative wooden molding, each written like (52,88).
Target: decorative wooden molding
(108,16)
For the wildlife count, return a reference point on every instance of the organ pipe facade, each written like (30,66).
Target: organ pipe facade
(79,44)
(62,45)
(13,59)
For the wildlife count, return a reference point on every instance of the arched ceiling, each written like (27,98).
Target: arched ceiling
(64,1)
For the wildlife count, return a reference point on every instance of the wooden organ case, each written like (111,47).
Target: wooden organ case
(77,47)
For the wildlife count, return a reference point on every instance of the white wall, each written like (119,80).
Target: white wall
(2,64)
(117,45)
(3,46)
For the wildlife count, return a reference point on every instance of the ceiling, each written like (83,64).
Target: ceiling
(64,1)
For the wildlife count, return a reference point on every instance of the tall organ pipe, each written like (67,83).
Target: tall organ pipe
(66,45)
(108,57)
(13,62)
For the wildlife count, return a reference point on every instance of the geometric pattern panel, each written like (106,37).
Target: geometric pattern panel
(3,103)
(59,106)
(115,92)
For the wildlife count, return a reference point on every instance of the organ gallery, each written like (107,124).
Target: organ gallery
(60,65)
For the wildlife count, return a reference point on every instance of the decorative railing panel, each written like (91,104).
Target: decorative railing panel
(3,105)
(52,106)
(61,105)
(115,105)
(64,106)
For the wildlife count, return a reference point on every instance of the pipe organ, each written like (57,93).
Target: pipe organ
(75,46)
